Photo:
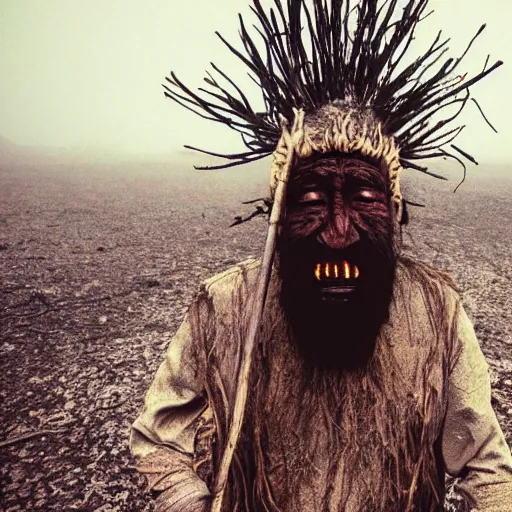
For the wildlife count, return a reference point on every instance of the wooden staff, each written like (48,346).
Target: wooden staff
(257,312)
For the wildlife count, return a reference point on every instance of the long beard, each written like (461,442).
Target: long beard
(331,333)
(367,417)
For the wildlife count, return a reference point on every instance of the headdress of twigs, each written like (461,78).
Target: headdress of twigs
(311,57)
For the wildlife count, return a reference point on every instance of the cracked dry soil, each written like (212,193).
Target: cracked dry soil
(98,264)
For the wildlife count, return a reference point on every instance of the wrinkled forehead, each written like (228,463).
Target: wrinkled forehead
(328,166)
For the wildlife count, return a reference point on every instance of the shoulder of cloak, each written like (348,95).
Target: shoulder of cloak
(425,310)
(228,277)
(232,285)
(221,304)
(423,275)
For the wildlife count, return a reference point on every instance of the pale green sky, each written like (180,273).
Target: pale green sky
(88,72)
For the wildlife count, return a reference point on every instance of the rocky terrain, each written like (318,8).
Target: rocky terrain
(97,266)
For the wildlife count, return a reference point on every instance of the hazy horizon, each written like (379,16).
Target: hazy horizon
(86,76)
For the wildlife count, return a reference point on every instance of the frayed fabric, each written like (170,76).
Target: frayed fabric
(312,440)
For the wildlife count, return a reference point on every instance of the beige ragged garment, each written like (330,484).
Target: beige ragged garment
(180,433)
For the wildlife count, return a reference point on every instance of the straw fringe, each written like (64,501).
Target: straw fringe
(345,132)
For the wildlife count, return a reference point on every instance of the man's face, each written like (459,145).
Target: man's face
(337,259)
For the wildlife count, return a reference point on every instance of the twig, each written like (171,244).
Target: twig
(26,315)
(39,331)
(26,437)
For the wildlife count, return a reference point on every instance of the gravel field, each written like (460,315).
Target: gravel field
(98,263)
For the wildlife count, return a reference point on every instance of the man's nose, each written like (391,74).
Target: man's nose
(340,232)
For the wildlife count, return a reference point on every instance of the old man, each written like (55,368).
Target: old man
(367,384)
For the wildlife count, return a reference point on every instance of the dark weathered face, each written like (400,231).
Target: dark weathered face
(337,258)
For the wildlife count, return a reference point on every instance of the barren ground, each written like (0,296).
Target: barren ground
(97,266)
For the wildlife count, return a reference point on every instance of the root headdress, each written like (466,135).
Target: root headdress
(337,74)
(353,84)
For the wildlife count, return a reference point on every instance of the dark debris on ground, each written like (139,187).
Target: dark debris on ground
(98,272)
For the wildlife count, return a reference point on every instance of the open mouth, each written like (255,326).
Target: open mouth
(337,278)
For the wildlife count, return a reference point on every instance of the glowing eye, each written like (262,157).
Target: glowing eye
(366,196)
(313,196)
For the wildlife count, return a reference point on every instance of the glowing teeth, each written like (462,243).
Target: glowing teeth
(331,271)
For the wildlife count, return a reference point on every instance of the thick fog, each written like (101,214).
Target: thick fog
(88,75)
